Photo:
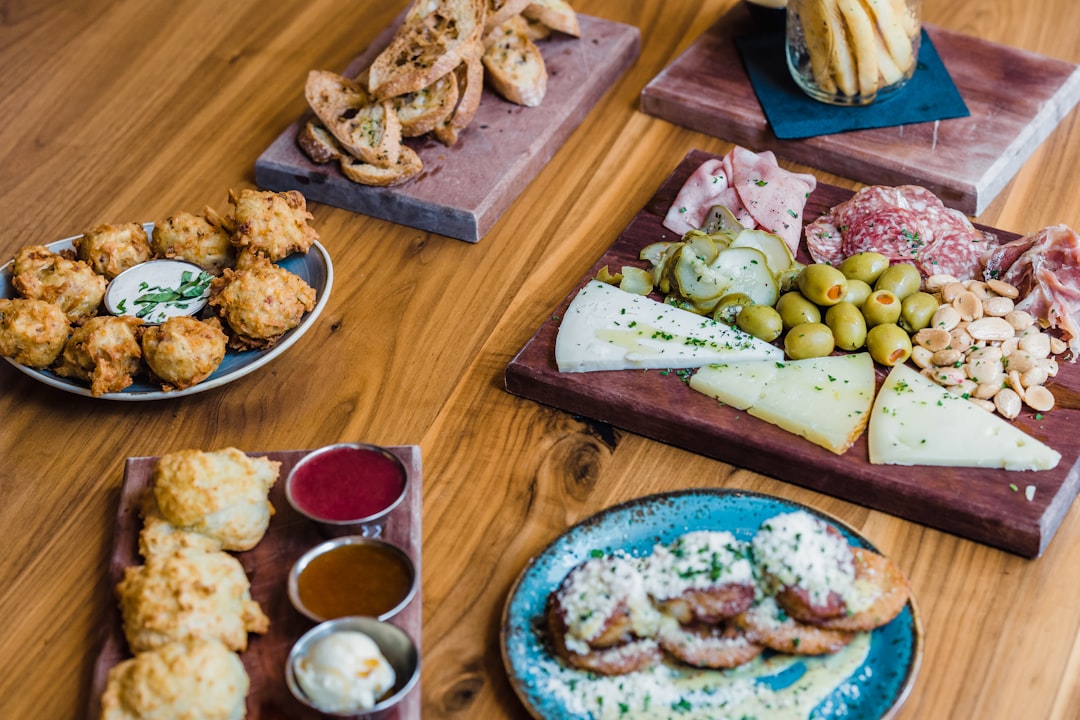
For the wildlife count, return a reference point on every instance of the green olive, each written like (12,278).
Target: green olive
(729,307)
(881,307)
(822,284)
(809,340)
(901,280)
(917,310)
(795,310)
(847,324)
(865,266)
(857,292)
(761,321)
(888,344)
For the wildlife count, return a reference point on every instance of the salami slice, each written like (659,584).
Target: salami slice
(892,231)
(957,248)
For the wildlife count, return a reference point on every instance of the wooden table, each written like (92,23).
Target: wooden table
(115,112)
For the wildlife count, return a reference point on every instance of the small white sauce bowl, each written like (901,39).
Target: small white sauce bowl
(126,287)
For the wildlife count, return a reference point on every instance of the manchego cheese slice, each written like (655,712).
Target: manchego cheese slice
(917,422)
(825,400)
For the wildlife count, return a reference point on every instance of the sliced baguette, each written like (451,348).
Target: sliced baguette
(470,80)
(318,143)
(367,128)
(556,14)
(429,44)
(407,167)
(514,64)
(499,11)
(420,111)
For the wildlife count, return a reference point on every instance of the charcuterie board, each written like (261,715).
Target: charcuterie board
(988,506)
(1016,99)
(267,566)
(465,188)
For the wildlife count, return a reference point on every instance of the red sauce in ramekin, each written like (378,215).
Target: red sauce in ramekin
(347,483)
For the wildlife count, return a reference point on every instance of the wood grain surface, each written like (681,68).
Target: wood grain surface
(115,112)
(1016,98)
(979,504)
(267,565)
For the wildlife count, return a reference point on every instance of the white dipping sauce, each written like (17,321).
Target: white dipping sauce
(158,289)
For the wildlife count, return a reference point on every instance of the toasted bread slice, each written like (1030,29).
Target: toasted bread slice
(499,11)
(368,129)
(470,80)
(318,143)
(407,167)
(420,111)
(429,44)
(514,65)
(556,14)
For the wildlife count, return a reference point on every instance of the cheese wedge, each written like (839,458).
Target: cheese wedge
(825,400)
(606,328)
(917,422)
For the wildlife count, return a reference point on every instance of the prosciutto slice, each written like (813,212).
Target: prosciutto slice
(757,191)
(1045,268)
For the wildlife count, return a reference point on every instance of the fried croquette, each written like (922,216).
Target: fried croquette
(32,332)
(719,646)
(104,352)
(768,625)
(882,591)
(201,239)
(112,249)
(260,303)
(183,351)
(220,494)
(185,594)
(633,655)
(195,679)
(40,274)
(705,576)
(271,224)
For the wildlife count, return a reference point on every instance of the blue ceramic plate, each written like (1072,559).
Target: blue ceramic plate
(876,689)
(314,267)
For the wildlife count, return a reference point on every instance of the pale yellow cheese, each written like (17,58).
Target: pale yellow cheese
(825,400)
(917,422)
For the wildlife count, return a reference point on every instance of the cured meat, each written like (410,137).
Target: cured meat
(1045,268)
(757,191)
(906,223)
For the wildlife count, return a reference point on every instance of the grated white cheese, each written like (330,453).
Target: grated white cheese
(695,561)
(796,549)
(595,591)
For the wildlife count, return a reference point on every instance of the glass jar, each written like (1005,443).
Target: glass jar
(852,52)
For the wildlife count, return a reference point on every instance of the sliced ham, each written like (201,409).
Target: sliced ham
(1045,268)
(757,191)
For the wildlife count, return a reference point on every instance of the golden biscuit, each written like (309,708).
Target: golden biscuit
(188,594)
(221,494)
(189,680)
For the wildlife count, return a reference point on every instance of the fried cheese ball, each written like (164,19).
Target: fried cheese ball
(40,274)
(220,494)
(260,303)
(201,239)
(112,249)
(186,594)
(190,680)
(183,351)
(32,332)
(104,352)
(271,224)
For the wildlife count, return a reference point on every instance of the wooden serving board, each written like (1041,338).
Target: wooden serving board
(972,503)
(1016,98)
(465,188)
(289,536)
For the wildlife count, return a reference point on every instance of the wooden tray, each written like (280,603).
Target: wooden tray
(1016,99)
(972,503)
(465,188)
(289,536)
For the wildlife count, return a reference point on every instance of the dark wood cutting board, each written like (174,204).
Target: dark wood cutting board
(1016,98)
(972,503)
(464,189)
(289,536)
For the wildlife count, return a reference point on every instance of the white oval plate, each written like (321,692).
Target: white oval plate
(314,267)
